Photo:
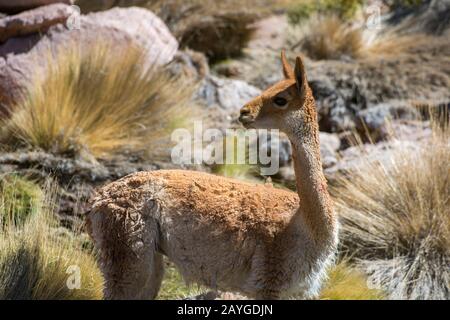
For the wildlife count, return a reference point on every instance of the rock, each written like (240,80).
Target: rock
(143,26)
(432,17)
(375,120)
(228,69)
(336,106)
(100,5)
(405,136)
(33,21)
(270,33)
(190,64)
(227,94)
(22,58)
(223,99)
(329,145)
(357,156)
(15,6)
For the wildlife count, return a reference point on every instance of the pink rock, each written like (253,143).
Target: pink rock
(14,6)
(21,58)
(33,21)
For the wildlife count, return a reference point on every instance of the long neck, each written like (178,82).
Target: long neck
(315,203)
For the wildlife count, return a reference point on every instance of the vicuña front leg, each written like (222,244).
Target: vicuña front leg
(138,278)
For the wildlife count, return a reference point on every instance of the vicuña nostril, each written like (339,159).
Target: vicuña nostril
(245,112)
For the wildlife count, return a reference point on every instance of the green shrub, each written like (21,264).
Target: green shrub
(302,10)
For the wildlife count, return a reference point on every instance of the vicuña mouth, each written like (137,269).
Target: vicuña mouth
(246,120)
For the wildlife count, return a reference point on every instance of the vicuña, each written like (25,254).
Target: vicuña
(225,234)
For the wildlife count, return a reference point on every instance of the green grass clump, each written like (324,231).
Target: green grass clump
(300,11)
(19,198)
(37,263)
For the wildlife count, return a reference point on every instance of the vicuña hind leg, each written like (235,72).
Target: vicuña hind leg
(127,243)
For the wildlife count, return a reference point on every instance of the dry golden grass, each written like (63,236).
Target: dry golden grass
(100,102)
(392,44)
(328,37)
(325,37)
(346,283)
(396,220)
(38,263)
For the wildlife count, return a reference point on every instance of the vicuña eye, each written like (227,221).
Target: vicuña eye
(279,101)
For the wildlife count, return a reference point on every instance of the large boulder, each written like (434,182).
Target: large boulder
(21,58)
(431,16)
(15,6)
(33,21)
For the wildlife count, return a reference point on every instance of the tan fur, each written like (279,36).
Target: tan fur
(223,233)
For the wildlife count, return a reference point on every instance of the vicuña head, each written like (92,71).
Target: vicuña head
(288,105)
(222,233)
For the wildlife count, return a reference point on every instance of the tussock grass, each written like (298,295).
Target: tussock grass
(36,262)
(99,103)
(396,220)
(329,37)
(391,44)
(219,29)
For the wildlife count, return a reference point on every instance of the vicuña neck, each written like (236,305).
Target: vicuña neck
(315,204)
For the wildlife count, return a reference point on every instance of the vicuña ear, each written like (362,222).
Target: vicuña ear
(287,69)
(300,74)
